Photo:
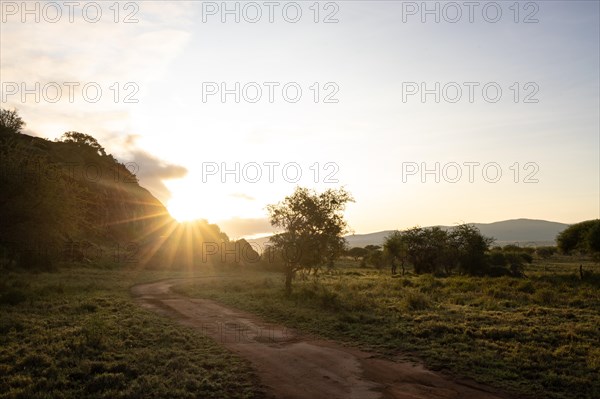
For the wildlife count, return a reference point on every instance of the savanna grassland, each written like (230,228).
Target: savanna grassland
(536,336)
(77,333)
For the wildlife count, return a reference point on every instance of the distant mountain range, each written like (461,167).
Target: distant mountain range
(523,232)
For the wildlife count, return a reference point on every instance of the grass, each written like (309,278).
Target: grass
(536,336)
(77,333)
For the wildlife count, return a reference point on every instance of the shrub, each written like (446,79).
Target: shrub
(497,258)
(498,271)
(545,296)
(329,299)
(93,333)
(593,359)
(415,300)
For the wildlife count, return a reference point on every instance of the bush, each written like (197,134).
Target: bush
(545,252)
(526,257)
(329,299)
(497,258)
(415,300)
(507,263)
(498,271)
(545,296)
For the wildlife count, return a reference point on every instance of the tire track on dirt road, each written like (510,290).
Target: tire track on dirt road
(295,366)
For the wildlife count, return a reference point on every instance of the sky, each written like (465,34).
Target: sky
(428,113)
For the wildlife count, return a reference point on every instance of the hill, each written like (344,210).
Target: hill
(69,200)
(524,232)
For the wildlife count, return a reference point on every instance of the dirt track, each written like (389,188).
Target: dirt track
(294,366)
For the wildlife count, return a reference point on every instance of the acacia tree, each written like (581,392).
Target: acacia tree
(426,248)
(313,229)
(83,140)
(433,249)
(10,121)
(357,252)
(470,247)
(396,247)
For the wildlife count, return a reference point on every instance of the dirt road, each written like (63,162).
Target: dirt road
(294,366)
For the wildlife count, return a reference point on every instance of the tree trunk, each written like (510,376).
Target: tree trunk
(289,275)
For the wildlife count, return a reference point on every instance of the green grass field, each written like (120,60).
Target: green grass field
(535,336)
(78,334)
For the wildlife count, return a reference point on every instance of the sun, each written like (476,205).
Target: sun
(213,202)
(185,207)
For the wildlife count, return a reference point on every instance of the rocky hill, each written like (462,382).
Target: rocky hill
(69,200)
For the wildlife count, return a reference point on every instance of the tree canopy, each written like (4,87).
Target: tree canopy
(10,122)
(313,228)
(83,140)
(434,250)
(583,237)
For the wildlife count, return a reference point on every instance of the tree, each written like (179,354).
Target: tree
(593,238)
(375,258)
(470,246)
(434,250)
(313,229)
(396,248)
(357,252)
(372,247)
(83,140)
(10,122)
(426,248)
(583,237)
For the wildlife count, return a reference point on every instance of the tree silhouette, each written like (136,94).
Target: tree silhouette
(10,122)
(83,140)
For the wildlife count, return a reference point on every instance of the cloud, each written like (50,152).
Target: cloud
(243,196)
(152,171)
(244,227)
(103,53)
(107,55)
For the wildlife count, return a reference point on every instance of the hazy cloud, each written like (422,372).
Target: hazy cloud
(152,171)
(241,227)
(243,196)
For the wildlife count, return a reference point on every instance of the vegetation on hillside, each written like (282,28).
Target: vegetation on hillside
(70,200)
